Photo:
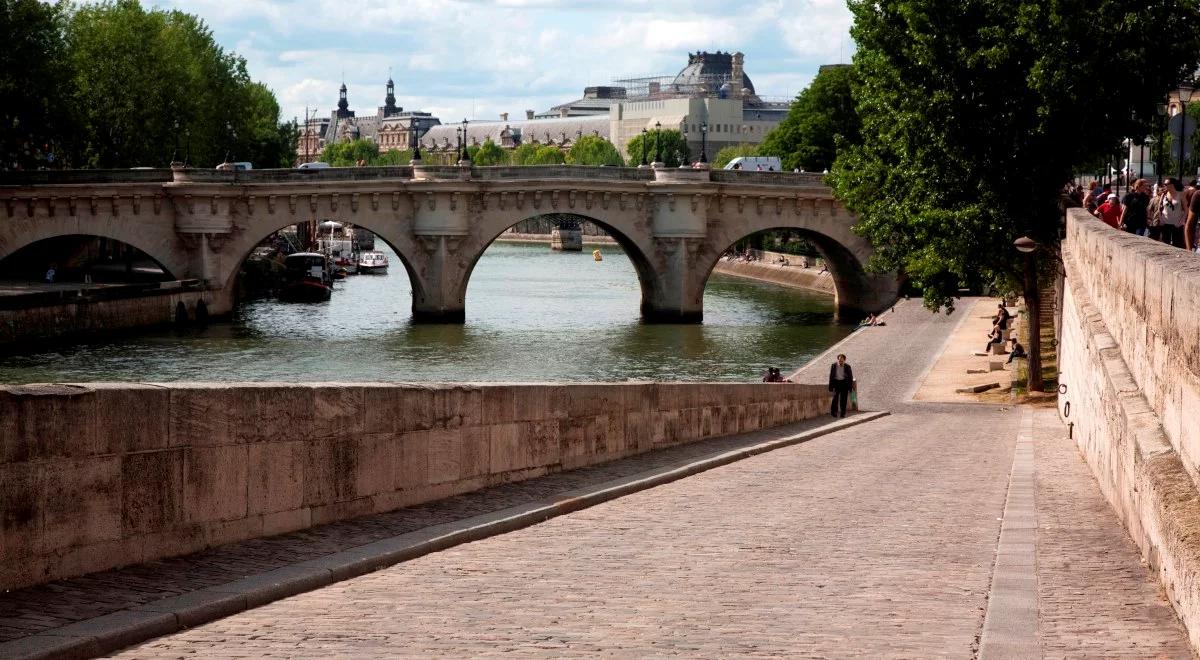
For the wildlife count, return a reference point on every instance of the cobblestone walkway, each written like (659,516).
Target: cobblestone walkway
(874,541)
(1095,596)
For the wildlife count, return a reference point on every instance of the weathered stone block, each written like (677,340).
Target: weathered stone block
(204,415)
(274,412)
(377,454)
(152,491)
(46,421)
(457,406)
(533,403)
(221,532)
(341,510)
(131,417)
(445,455)
(587,400)
(80,560)
(22,494)
(475,458)
(330,468)
(337,411)
(275,476)
(82,502)
(282,522)
(411,470)
(215,483)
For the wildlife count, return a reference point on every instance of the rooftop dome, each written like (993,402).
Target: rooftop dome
(707,68)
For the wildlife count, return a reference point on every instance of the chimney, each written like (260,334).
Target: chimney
(529,114)
(739,78)
(564,112)
(503,116)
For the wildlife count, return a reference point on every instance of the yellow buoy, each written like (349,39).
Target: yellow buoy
(596,255)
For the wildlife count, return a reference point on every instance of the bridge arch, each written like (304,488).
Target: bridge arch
(620,227)
(856,291)
(165,248)
(242,245)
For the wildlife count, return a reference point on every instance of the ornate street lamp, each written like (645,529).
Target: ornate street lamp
(416,140)
(1185,95)
(1148,141)
(1027,246)
(658,142)
(465,157)
(1162,129)
(644,138)
(175,131)
(704,142)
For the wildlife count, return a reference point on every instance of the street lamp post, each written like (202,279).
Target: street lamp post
(644,138)
(704,142)
(416,141)
(1027,246)
(1185,95)
(175,153)
(658,142)
(1162,129)
(465,156)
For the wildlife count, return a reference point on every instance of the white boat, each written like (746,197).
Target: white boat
(372,262)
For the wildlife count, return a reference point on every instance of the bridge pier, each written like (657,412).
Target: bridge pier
(439,289)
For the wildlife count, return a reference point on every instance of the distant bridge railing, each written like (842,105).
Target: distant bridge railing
(432,172)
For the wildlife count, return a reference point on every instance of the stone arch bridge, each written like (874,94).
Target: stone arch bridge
(673,223)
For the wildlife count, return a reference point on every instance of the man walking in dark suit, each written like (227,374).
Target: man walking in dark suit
(841,380)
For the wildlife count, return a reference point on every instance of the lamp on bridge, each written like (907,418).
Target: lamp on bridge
(1028,247)
(175,154)
(1185,95)
(644,138)
(416,142)
(463,157)
(658,142)
(704,142)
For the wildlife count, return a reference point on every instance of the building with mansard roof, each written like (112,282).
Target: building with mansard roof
(390,126)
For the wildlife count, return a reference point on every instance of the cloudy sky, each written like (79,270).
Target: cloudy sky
(478,58)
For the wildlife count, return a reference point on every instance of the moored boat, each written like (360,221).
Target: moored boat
(372,261)
(307,278)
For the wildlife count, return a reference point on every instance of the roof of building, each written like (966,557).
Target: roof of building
(553,130)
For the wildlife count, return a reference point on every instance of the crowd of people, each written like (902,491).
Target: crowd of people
(1167,212)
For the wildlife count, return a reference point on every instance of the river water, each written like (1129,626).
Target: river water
(532,315)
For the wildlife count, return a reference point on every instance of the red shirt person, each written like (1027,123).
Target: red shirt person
(1110,212)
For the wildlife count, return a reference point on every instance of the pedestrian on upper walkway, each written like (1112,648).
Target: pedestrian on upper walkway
(841,381)
(1136,207)
(1110,211)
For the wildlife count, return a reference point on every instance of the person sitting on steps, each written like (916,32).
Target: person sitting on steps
(1018,351)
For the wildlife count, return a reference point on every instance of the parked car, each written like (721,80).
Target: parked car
(312,166)
(239,166)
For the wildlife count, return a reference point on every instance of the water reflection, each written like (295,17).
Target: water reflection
(532,315)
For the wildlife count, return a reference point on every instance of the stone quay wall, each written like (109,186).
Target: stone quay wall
(88,315)
(811,277)
(1129,358)
(98,476)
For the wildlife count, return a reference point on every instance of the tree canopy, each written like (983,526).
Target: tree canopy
(488,153)
(347,154)
(821,116)
(674,148)
(594,150)
(115,85)
(974,114)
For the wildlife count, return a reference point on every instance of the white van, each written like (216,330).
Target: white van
(312,166)
(755,164)
(239,166)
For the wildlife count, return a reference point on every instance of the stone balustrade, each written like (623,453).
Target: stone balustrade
(102,475)
(1129,361)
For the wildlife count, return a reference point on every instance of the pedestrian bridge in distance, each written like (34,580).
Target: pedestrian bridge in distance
(673,223)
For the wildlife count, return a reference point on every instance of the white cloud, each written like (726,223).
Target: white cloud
(495,56)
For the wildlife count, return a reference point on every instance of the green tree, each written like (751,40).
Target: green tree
(674,148)
(488,153)
(347,154)
(143,80)
(393,157)
(733,151)
(974,114)
(546,155)
(34,83)
(523,153)
(594,150)
(821,117)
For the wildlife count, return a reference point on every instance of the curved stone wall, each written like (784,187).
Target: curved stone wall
(1129,359)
